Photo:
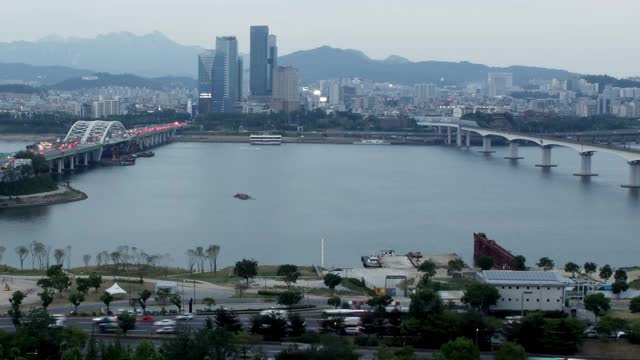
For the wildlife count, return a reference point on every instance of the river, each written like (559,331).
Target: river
(359,198)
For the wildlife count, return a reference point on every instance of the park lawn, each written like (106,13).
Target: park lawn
(132,288)
(8,270)
(155,272)
(624,314)
(226,276)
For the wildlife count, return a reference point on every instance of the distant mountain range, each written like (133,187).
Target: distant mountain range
(327,62)
(151,55)
(155,55)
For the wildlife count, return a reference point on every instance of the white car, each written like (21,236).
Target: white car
(166,330)
(185,316)
(353,330)
(165,322)
(105,319)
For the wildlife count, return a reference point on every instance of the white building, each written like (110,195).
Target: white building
(104,108)
(499,83)
(527,290)
(424,94)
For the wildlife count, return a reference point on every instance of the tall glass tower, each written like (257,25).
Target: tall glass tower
(205,71)
(258,56)
(226,74)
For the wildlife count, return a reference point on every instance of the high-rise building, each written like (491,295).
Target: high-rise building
(424,93)
(272,61)
(205,71)
(105,108)
(499,83)
(286,94)
(226,75)
(259,54)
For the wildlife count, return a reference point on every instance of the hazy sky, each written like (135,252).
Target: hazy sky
(590,36)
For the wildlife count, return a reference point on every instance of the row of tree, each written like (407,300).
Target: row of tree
(196,258)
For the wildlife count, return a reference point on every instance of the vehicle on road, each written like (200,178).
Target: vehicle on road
(108,327)
(166,330)
(146,318)
(104,319)
(353,330)
(185,316)
(165,322)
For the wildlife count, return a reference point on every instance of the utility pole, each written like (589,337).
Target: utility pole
(322,253)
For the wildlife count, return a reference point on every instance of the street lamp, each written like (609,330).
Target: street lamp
(522,301)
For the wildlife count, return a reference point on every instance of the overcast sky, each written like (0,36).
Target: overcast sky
(588,36)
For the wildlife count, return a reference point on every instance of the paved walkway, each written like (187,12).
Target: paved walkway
(61,189)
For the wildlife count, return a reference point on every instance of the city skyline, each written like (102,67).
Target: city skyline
(493,33)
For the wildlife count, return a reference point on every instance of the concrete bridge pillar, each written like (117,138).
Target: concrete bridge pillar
(486,145)
(634,175)
(60,165)
(513,151)
(458,136)
(585,164)
(448,136)
(546,157)
(468,138)
(72,162)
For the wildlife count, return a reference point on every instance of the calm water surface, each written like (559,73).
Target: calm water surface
(359,198)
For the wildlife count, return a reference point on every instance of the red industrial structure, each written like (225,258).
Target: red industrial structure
(483,246)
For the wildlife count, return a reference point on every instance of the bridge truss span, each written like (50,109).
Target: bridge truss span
(96,132)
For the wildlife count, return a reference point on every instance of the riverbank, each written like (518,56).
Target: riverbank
(30,137)
(59,196)
(307,139)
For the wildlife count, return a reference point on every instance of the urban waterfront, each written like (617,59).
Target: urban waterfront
(359,198)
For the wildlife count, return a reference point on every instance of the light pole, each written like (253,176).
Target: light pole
(522,301)
(477,330)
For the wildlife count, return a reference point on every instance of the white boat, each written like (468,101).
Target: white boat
(265,139)
(372,142)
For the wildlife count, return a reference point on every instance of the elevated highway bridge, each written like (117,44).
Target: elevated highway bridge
(464,128)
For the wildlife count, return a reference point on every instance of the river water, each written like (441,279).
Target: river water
(359,198)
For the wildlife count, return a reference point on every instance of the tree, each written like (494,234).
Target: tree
(176,300)
(609,324)
(46,298)
(15,313)
(289,298)
(485,262)
(209,301)
(459,349)
(597,303)
(22,253)
(107,299)
(590,268)
(605,272)
(297,325)
(212,254)
(95,280)
(334,301)
(634,305)
(424,304)
(227,320)
(510,351)
(455,266)
(428,268)
(83,285)
(39,163)
(379,303)
(76,298)
(162,296)
(86,258)
(246,269)
(56,279)
(620,282)
(480,296)
(545,263)
(331,281)
(143,296)
(146,351)
(126,322)
(58,254)
(572,268)
(289,274)
(521,263)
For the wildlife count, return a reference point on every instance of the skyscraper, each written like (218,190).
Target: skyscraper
(226,75)
(259,54)
(205,71)
(286,94)
(272,61)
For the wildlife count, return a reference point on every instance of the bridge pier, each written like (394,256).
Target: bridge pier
(634,175)
(468,139)
(546,157)
(486,145)
(72,162)
(458,137)
(86,159)
(60,165)
(448,136)
(513,151)
(585,164)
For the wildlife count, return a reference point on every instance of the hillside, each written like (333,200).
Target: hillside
(37,75)
(105,79)
(150,55)
(327,62)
